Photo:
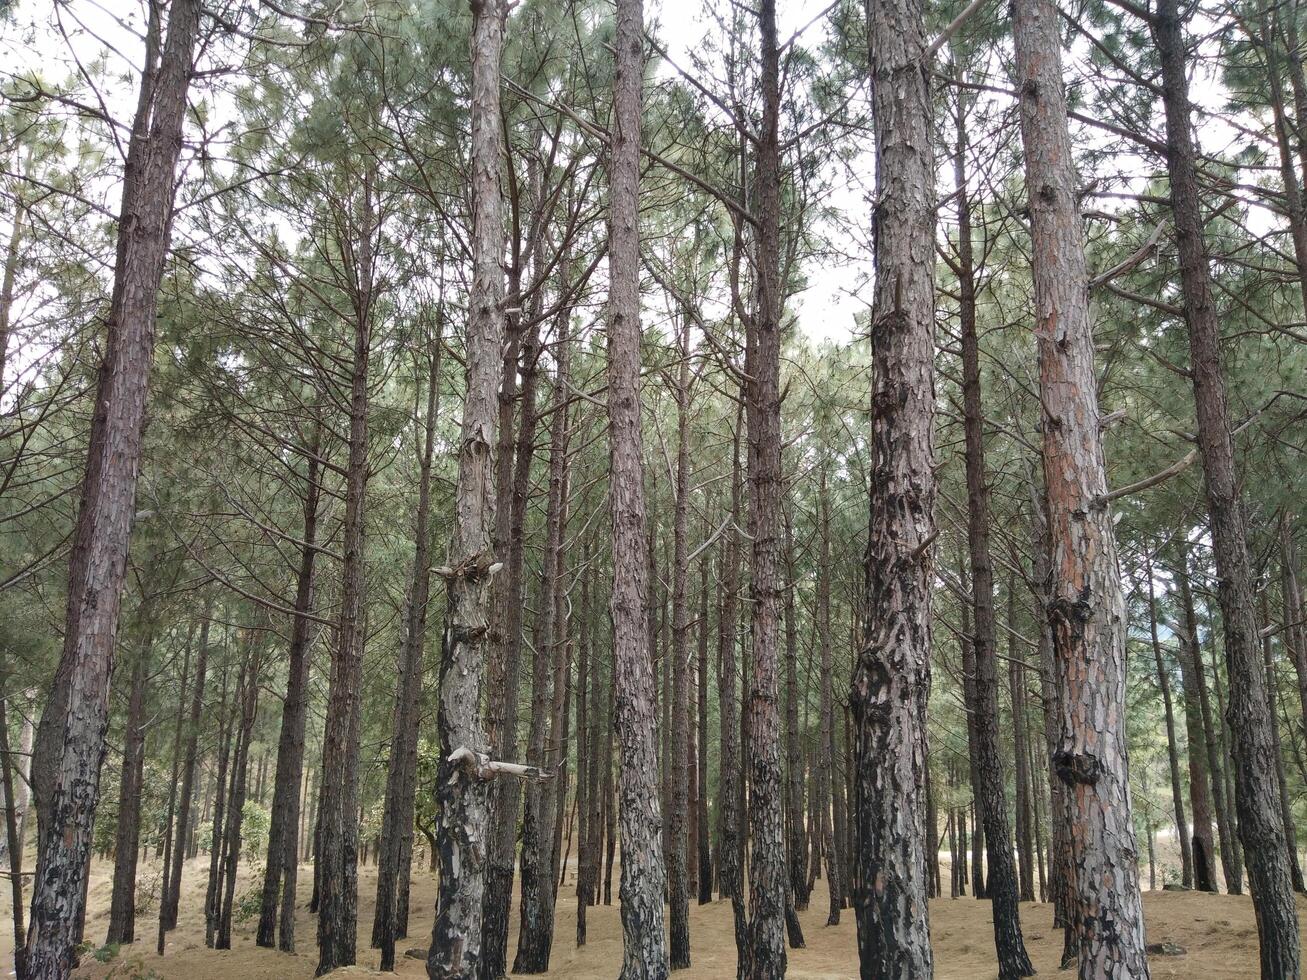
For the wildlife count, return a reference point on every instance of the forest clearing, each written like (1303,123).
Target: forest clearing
(607,488)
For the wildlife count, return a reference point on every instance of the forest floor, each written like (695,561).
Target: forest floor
(1218,932)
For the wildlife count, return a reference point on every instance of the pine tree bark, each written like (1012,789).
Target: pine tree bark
(1257,792)
(536,916)
(1215,754)
(704,856)
(168,902)
(461,794)
(277,902)
(390,921)
(831,842)
(795,841)
(339,839)
(70,742)
(891,676)
(248,702)
(1020,749)
(678,893)
(1172,753)
(1199,778)
(730,874)
(512,482)
(127,839)
(1001,883)
(644,877)
(763,955)
(1086,608)
(1286,811)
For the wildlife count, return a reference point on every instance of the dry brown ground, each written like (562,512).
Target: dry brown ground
(1218,931)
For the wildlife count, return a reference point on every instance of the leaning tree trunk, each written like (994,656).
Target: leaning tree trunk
(643,872)
(1001,879)
(461,796)
(891,676)
(338,816)
(70,743)
(1086,607)
(391,918)
(283,830)
(1257,791)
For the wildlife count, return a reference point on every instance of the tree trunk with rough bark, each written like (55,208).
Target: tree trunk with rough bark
(277,902)
(127,840)
(70,743)
(396,843)
(832,845)
(891,675)
(338,816)
(763,955)
(461,793)
(1172,753)
(1001,884)
(644,877)
(1257,791)
(1086,608)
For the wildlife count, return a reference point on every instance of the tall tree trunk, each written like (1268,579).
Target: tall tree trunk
(248,701)
(1020,748)
(1172,753)
(730,874)
(13,841)
(643,872)
(1001,881)
(1286,810)
(891,677)
(339,843)
(172,883)
(283,851)
(1199,777)
(396,842)
(795,842)
(461,794)
(127,839)
(513,484)
(70,742)
(678,892)
(1208,720)
(967,649)
(536,918)
(704,857)
(587,730)
(1086,608)
(763,955)
(1257,792)
(832,844)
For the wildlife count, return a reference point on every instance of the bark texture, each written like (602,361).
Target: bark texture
(891,675)
(461,792)
(1257,789)
(70,742)
(644,946)
(1086,608)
